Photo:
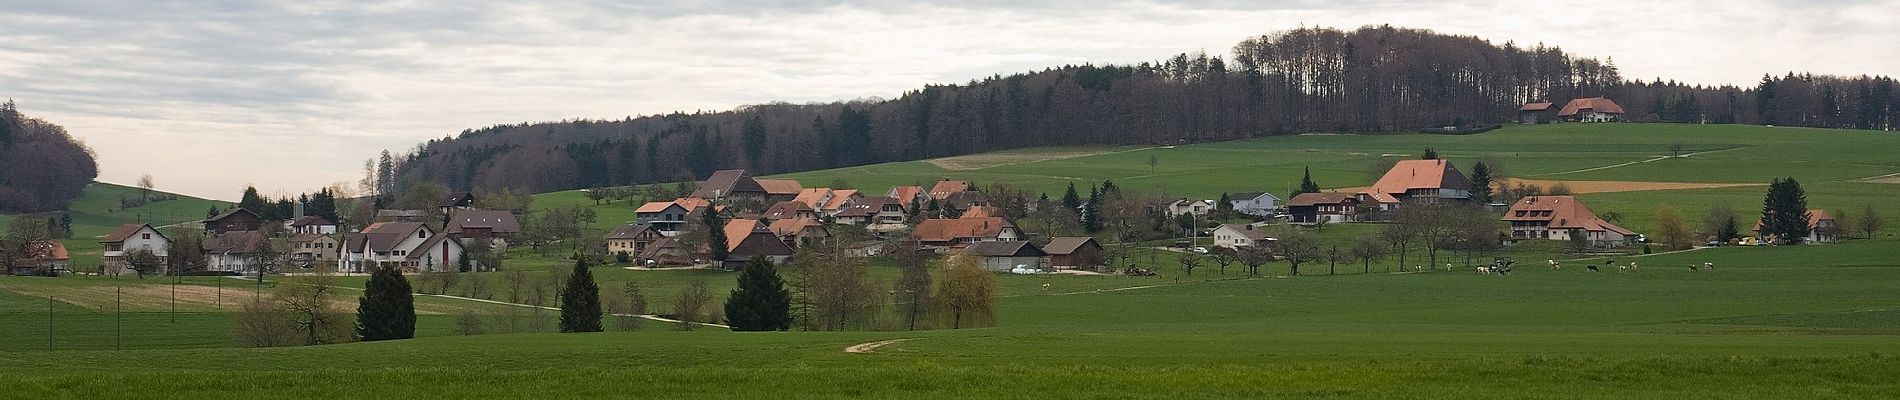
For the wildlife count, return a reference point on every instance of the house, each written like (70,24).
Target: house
(1236,236)
(944,188)
(777,190)
(236,251)
(1535,113)
(1376,206)
(814,198)
(1259,204)
(42,256)
(409,245)
(1591,109)
(1185,206)
(1006,256)
(799,230)
(665,251)
(964,200)
(473,224)
(670,217)
(1559,217)
(949,233)
(632,238)
(788,210)
(908,195)
(309,248)
(1329,207)
(874,210)
(128,239)
(456,201)
(313,225)
(733,186)
(839,199)
(746,239)
(981,212)
(420,216)
(1075,252)
(237,219)
(1822,228)
(1423,181)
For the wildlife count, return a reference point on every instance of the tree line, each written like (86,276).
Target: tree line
(1372,79)
(42,168)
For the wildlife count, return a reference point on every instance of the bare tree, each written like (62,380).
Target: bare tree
(1224,257)
(690,307)
(633,305)
(261,324)
(1367,249)
(967,293)
(1869,222)
(1399,237)
(145,186)
(1296,247)
(517,280)
(310,304)
(1255,256)
(1189,261)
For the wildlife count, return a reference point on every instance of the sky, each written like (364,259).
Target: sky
(208,96)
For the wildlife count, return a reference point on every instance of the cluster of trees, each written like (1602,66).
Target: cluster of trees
(42,168)
(1372,79)
(321,203)
(826,288)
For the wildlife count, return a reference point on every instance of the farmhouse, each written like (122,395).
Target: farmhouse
(874,210)
(236,251)
(313,225)
(1591,109)
(474,224)
(838,200)
(409,245)
(666,251)
(1259,204)
(309,248)
(42,256)
(800,230)
(788,210)
(777,190)
(1005,256)
(964,200)
(747,238)
(952,233)
(1822,228)
(1559,217)
(908,195)
(456,201)
(732,185)
(1074,252)
(1534,113)
(238,219)
(128,239)
(1423,181)
(981,212)
(670,217)
(944,188)
(1313,208)
(1185,206)
(1236,236)
(632,238)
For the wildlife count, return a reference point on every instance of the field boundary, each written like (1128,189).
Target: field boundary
(1640,162)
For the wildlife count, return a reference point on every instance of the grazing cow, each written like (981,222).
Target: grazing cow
(1484,270)
(1554,265)
(1045,287)
(1592,267)
(1632,265)
(1709,265)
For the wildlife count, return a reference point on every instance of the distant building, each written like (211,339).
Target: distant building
(128,239)
(310,248)
(908,195)
(411,246)
(1312,208)
(1005,256)
(313,225)
(1075,252)
(1259,204)
(746,239)
(456,201)
(238,219)
(1236,236)
(632,238)
(777,190)
(1559,217)
(1424,181)
(236,252)
(944,188)
(475,224)
(42,256)
(732,185)
(1185,206)
(1591,109)
(952,233)
(1822,228)
(1535,113)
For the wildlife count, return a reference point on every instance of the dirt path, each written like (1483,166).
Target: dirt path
(1586,187)
(981,161)
(1888,178)
(498,302)
(868,347)
(1639,162)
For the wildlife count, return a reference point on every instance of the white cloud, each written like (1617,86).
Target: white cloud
(291,95)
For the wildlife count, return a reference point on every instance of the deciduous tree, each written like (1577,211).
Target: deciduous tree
(966,295)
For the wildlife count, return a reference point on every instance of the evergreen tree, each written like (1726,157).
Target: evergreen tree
(1306,183)
(1070,199)
(761,302)
(752,135)
(251,201)
(580,301)
(1784,213)
(1430,154)
(386,311)
(1092,212)
(715,234)
(1481,183)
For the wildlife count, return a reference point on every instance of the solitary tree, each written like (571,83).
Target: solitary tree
(689,307)
(386,311)
(1720,222)
(760,303)
(580,301)
(143,262)
(1869,222)
(1430,154)
(967,293)
(1671,229)
(1481,183)
(913,285)
(145,186)
(1784,212)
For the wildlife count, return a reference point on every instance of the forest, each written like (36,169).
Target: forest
(42,168)
(1368,80)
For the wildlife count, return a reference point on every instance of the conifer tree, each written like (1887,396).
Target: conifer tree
(1306,183)
(386,311)
(761,302)
(580,301)
(715,234)
(1430,154)
(1070,199)
(1481,183)
(1784,213)
(1092,212)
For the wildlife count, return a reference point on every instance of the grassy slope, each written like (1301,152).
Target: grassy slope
(96,212)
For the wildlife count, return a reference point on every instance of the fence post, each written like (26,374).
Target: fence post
(49,322)
(174,313)
(118,318)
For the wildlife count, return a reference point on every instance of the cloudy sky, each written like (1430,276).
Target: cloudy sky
(210,95)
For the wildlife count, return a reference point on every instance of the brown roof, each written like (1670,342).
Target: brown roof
(1011,248)
(941,230)
(498,221)
(840,197)
(1421,174)
(233,211)
(1311,199)
(867,206)
(1248,230)
(965,199)
(725,183)
(47,250)
(428,245)
(1560,212)
(757,243)
(629,231)
(1598,104)
(1814,219)
(384,236)
(942,189)
(457,199)
(1067,245)
(692,203)
(306,237)
(737,229)
(1539,106)
(791,227)
(309,220)
(125,232)
(785,209)
(780,186)
(235,242)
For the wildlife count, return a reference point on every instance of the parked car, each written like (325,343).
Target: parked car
(1180,244)
(1200,250)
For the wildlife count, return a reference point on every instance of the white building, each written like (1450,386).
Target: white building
(1236,236)
(411,246)
(1185,206)
(129,239)
(1259,204)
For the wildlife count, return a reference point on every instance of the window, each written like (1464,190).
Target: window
(422,234)
(145,236)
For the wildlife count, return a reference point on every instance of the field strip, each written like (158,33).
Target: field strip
(863,348)
(1586,187)
(1639,162)
(1888,178)
(973,162)
(498,302)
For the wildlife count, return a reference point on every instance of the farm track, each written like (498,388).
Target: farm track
(1640,162)
(498,302)
(870,347)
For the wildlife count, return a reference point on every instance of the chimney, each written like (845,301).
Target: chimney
(1250,227)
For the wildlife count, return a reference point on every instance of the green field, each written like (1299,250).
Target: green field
(96,212)
(1817,321)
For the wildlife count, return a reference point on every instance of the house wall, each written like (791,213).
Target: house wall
(1004,264)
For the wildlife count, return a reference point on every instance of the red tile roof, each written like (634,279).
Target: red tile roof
(943,189)
(1421,174)
(654,206)
(905,193)
(124,232)
(738,229)
(1560,212)
(1539,106)
(1597,104)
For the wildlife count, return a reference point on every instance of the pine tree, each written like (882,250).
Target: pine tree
(253,202)
(1092,211)
(386,311)
(1430,154)
(753,137)
(715,234)
(1784,213)
(1306,183)
(1070,199)
(761,302)
(1481,183)
(580,301)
